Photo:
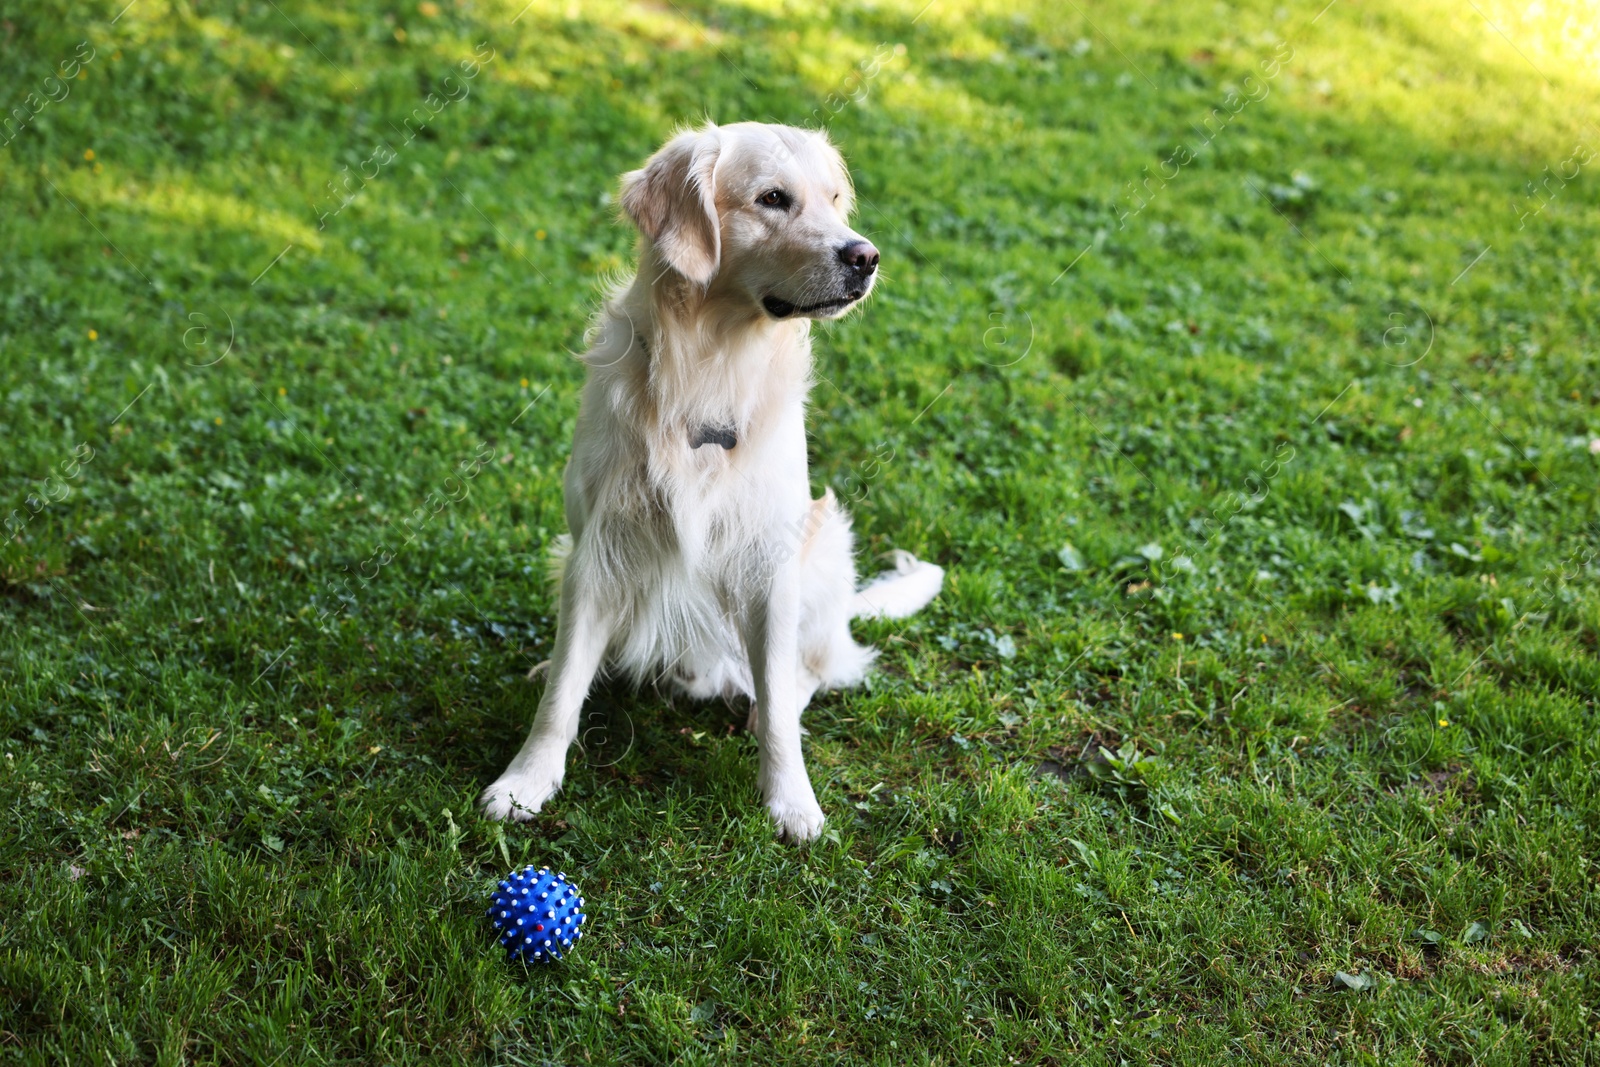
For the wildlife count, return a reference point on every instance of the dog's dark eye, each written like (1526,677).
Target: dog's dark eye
(774,198)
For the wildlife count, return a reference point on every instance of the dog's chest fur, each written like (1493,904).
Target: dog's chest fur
(681,536)
(663,503)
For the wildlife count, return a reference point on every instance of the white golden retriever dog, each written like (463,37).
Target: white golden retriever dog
(697,556)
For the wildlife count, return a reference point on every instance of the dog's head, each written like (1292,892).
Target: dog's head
(757,212)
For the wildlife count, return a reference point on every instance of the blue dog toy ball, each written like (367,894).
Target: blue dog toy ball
(538,915)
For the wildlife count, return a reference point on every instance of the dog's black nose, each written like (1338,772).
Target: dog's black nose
(860,257)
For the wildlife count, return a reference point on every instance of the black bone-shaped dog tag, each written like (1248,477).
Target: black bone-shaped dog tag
(713,435)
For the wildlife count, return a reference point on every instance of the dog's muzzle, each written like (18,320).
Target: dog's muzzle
(860,262)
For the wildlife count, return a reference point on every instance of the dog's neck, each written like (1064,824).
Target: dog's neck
(707,356)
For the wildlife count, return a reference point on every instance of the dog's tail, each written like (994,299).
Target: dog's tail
(900,592)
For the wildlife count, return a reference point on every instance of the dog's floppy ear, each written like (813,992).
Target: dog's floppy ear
(673,202)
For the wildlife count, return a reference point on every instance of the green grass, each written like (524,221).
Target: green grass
(1323,407)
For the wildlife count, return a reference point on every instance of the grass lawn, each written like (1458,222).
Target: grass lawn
(1238,362)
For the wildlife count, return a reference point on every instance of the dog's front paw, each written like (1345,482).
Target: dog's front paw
(517,796)
(798,818)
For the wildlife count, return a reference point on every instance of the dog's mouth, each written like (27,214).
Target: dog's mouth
(779,308)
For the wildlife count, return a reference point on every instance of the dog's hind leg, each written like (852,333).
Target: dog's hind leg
(535,773)
(829,656)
